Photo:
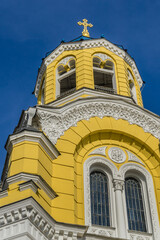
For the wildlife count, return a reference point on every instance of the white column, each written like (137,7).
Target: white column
(121,226)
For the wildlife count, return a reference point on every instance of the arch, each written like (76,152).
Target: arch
(132,87)
(135,204)
(66,76)
(43,92)
(100,210)
(104,73)
(141,174)
(106,167)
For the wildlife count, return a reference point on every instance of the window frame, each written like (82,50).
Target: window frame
(106,176)
(126,170)
(143,201)
(99,164)
(59,78)
(141,179)
(133,91)
(104,58)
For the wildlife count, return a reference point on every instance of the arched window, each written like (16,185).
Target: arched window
(66,76)
(135,205)
(42,92)
(132,86)
(103,70)
(100,214)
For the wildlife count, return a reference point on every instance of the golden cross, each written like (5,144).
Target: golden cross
(85,24)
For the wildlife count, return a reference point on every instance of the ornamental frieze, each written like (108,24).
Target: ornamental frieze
(54,124)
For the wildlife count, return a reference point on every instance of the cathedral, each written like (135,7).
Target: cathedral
(84,163)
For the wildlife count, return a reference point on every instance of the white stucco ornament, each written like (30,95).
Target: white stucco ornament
(117,155)
(99,151)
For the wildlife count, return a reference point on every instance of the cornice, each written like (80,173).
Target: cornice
(32,136)
(91,93)
(29,209)
(36,179)
(86,45)
(28,185)
(55,121)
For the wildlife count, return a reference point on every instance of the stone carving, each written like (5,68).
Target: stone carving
(118,185)
(54,124)
(100,232)
(132,157)
(138,237)
(151,194)
(65,60)
(33,215)
(102,56)
(84,45)
(100,163)
(99,151)
(116,154)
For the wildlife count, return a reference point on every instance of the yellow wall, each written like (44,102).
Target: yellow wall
(65,174)
(84,73)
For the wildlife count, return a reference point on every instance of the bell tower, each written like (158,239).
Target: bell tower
(84,163)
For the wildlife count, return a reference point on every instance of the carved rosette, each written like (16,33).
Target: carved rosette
(117,155)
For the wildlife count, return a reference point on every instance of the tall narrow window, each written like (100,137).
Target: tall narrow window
(132,86)
(135,205)
(66,76)
(99,199)
(103,70)
(42,92)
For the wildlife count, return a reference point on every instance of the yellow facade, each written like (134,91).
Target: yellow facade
(64,173)
(84,73)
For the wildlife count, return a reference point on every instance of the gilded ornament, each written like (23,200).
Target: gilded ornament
(85,23)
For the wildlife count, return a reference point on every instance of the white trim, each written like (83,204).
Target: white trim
(28,219)
(3,193)
(91,93)
(118,177)
(85,45)
(150,204)
(99,151)
(28,185)
(54,122)
(64,61)
(33,137)
(109,168)
(36,179)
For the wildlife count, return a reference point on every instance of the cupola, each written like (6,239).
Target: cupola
(87,67)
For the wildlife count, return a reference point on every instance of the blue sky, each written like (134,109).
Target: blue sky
(30,28)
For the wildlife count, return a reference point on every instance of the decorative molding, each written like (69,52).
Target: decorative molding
(32,136)
(106,232)
(117,155)
(54,122)
(102,56)
(85,45)
(102,164)
(92,93)
(28,185)
(140,236)
(28,219)
(3,193)
(134,158)
(151,194)
(36,179)
(65,60)
(118,184)
(99,151)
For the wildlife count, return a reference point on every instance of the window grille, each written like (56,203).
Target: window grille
(135,205)
(99,199)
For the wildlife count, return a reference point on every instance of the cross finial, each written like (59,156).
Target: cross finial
(85,24)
